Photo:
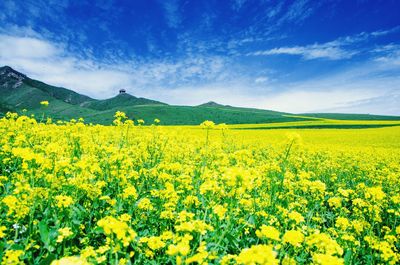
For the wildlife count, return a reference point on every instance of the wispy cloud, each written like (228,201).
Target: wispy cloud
(172,14)
(196,78)
(388,54)
(341,48)
(261,79)
(298,11)
(385,32)
(358,89)
(327,51)
(51,63)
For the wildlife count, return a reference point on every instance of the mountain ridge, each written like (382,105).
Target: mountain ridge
(18,92)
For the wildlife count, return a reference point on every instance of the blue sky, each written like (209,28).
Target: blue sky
(297,56)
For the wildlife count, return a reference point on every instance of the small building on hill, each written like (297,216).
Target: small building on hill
(122,91)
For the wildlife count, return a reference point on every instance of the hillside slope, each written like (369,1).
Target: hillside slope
(121,100)
(187,115)
(19,92)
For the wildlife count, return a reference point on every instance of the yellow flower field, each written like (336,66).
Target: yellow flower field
(88,194)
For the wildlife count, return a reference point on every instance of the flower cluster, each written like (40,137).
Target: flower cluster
(75,193)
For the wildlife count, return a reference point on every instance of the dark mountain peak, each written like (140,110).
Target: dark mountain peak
(212,104)
(6,68)
(124,95)
(9,78)
(8,72)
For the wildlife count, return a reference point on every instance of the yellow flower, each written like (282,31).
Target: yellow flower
(145,204)
(123,261)
(326,259)
(2,229)
(268,232)
(70,261)
(200,256)
(181,248)
(63,233)
(64,201)
(288,261)
(358,226)
(130,191)
(324,244)
(16,206)
(194,226)
(335,202)
(297,217)
(398,230)
(125,217)
(153,242)
(12,257)
(120,115)
(112,226)
(119,118)
(375,194)
(342,223)
(226,260)
(207,124)
(44,103)
(220,211)
(258,254)
(293,237)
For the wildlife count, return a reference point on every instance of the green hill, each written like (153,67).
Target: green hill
(187,115)
(121,100)
(19,92)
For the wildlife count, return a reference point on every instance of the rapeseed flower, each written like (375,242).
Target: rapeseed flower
(268,232)
(293,237)
(71,261)
(84,193)
(258,254)
(64,233)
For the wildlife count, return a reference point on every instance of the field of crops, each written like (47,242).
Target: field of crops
(88,194)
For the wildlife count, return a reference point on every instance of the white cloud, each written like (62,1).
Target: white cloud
(385,32)
(47,61)
(331,51)
(365,88)
(261,79)
(338,49)
(298,11)
(25,47)
(370,87)
(388,54)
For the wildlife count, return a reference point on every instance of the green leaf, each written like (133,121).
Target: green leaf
(44,233)
(48,259)
(348,256)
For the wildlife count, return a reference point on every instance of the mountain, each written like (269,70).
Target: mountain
(122,99)
(18,92)
(212,104)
